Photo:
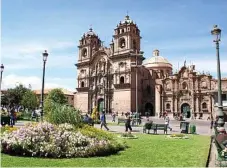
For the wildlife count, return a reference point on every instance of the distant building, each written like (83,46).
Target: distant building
(69,95)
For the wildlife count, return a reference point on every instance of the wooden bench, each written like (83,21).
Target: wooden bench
(219,146)
(155,127)
(160,127)
(136,121)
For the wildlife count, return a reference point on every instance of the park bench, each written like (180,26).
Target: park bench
(120,120)
(220,161)
(136,121)
(219,146)
(155,127)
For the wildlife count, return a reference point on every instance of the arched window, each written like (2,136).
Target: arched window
(148,89)
(184,85)
(84,52)
(134,44)
(122,43)
(122,30)
(122,80)
(204,105)
(167,106)
(82,84)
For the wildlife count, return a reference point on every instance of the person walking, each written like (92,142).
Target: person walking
(167,120)
(113,116)
(128,127)
(103,121)
(12,115)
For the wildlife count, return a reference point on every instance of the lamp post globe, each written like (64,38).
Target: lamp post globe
(45,55)
(2,69)
(216,32)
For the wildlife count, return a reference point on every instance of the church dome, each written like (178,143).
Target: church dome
(157,61)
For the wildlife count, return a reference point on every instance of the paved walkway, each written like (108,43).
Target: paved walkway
(202,127)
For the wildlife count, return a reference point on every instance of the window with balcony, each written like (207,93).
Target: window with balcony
(122,80)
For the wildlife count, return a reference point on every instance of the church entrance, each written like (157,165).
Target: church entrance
(149,109)
(100,105)
(185,110)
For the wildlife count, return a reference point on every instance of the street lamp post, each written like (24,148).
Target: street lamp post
(216,32)
(2,69)
(45,55)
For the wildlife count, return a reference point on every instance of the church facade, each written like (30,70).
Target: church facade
(119,79)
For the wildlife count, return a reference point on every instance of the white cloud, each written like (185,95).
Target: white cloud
(29,55)
(10,81)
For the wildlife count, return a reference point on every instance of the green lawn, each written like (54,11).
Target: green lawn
(146,151)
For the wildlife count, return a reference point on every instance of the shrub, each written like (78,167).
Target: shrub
(47,140)
(128,136)
(8,128)
(177,136)
(60,114)
(95,133)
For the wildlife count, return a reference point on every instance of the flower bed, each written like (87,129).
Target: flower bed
(47,140)
(128,136)
(177,136)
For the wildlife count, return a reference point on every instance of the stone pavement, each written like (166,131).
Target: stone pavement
(202,127)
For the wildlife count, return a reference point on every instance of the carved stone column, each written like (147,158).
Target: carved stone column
(172,104)
(157,99)
(176,102)
(197,104)
(193,102)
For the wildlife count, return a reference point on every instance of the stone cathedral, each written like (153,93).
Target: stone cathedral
(118,78)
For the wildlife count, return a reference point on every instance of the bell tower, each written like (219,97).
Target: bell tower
(89,43)
(126,37)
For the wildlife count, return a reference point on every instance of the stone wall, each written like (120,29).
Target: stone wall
(122,101)
(82,101)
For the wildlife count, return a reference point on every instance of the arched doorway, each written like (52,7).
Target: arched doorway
(150,109)
(100,105)
(185,110)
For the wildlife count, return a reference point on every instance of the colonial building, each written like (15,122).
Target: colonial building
(69,95)
(119,79)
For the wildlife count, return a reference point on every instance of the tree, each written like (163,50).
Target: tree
(14,95)
(29,100)
(57,96)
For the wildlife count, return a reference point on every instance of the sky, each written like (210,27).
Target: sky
(179,29)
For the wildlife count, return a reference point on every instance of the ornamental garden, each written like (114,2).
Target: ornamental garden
(63,139)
